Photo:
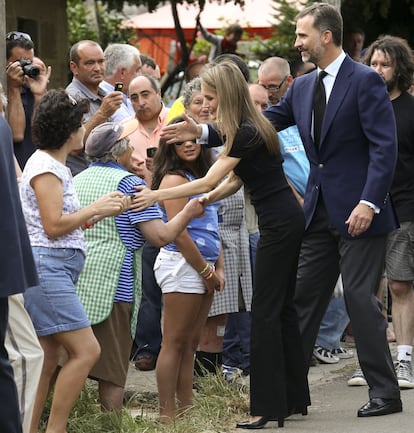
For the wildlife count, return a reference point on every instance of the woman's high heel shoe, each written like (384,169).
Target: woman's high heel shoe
(260,423)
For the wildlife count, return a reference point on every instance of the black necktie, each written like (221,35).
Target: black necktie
(319,103)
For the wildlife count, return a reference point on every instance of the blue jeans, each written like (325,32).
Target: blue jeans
(236,341)
(333,324)
(148,333)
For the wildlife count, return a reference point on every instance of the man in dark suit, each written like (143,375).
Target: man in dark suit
(347,208)
(17,272)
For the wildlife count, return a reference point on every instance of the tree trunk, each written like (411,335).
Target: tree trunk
(92,16)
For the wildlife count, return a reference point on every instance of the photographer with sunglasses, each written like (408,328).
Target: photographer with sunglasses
(27,79)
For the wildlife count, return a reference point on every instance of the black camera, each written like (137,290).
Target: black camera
(29,68)
(151,152)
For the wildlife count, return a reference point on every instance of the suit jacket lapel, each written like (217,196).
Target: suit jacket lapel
(306,105)
(339,90)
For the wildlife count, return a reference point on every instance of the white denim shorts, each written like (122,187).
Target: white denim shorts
(174,274)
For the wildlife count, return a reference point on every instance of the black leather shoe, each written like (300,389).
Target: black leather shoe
(260,423)
(380,406)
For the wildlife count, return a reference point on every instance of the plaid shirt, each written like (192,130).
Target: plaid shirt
(98,281)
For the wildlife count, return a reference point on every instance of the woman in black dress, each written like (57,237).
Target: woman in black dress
(278,374)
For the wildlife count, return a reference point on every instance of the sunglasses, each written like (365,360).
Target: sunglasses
(16,36)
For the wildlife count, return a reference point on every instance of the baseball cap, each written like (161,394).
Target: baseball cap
(104,136)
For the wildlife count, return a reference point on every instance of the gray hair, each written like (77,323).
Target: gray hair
(190,88)
(119,148)
(119,56)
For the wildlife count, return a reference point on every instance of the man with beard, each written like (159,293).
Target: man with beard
(393,59)
(352,150)
(87,64)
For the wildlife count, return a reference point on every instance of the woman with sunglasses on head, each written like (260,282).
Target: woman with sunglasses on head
(188,272)
(55,223)
(278,373)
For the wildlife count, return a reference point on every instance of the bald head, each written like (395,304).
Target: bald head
(274,75)
(259,96)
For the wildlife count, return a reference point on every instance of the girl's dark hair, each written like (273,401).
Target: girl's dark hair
(56,117)
(166,161)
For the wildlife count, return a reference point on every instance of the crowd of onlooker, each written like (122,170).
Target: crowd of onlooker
(248,229)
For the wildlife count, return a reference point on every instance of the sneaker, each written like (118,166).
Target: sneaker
(231,373)
(404,373)
(358,378)
(324,355)
(342,353)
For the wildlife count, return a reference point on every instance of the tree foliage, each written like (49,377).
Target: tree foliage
(375,17)
(282,42)
(108,29)
(378,17)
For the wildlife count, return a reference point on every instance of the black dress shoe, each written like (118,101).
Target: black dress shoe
(380,406)
(260,423)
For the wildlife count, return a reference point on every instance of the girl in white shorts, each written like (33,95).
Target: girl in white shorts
(188,271)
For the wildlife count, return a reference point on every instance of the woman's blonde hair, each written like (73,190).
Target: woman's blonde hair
(236,106)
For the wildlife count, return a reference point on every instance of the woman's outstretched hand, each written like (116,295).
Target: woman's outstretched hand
(144,198)
(182,131)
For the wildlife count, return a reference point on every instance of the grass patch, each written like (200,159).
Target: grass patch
(217,406)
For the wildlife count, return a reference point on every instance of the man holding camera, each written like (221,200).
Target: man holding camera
(87,63)
(27,79)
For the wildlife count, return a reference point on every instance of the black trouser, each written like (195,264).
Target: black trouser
(325,254)
(278,381)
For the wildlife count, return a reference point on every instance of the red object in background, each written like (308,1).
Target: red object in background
(155,31)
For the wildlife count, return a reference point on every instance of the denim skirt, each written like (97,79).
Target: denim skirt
(54,305)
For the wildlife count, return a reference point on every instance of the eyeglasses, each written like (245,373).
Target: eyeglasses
(15,36)
(274,87)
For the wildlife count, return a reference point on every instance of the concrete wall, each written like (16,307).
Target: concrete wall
(45,21)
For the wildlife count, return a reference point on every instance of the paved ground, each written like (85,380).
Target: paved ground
(334,404)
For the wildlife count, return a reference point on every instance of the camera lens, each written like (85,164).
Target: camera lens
(31,71)
(29,68)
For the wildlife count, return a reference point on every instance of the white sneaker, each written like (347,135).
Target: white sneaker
(404,373)
(231,373)
(358,378)
(342,353)
(324,355)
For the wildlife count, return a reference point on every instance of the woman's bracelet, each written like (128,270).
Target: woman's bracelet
(89,224)
(205,269)
(209,276)
(86,225)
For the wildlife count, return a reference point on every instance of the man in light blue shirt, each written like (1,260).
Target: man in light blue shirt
(274,75)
